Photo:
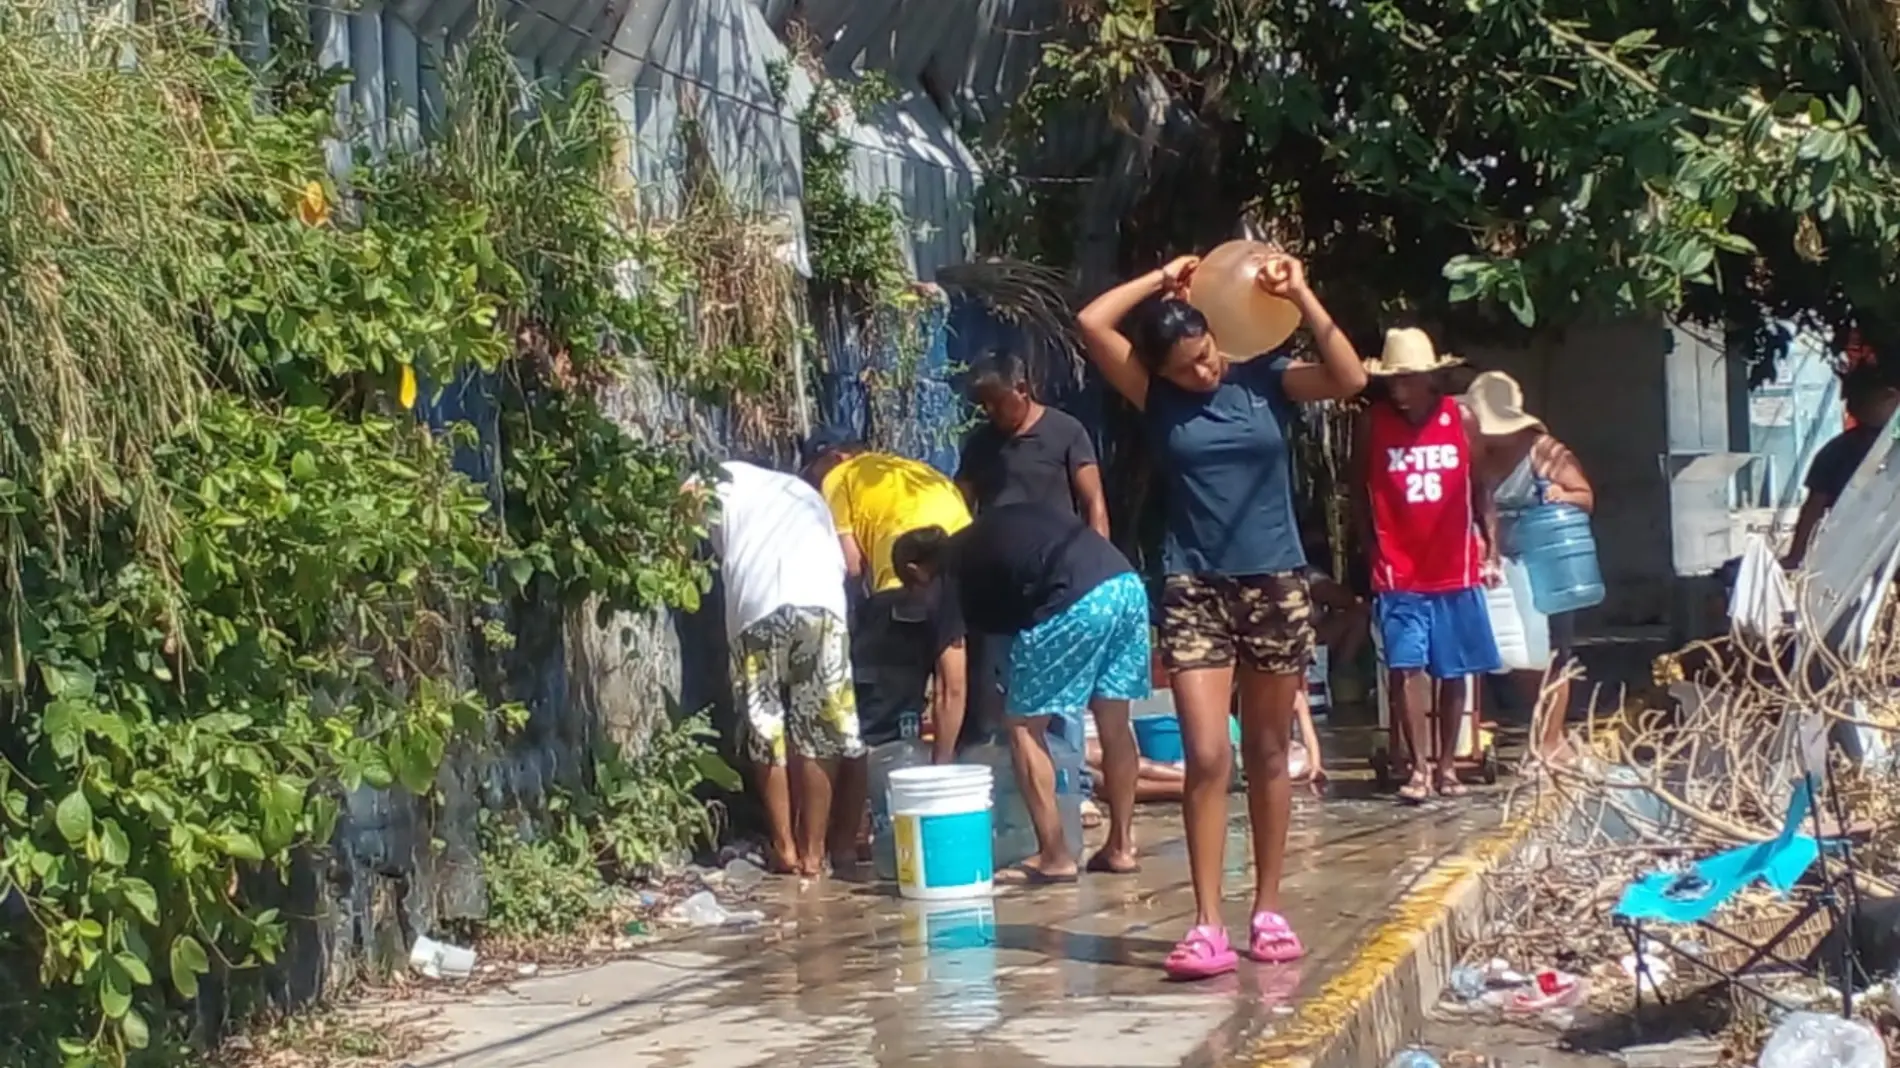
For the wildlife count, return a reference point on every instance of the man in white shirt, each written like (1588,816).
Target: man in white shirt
(791,658)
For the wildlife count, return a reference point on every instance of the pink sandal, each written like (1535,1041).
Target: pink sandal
(1272,940)
(1202,954)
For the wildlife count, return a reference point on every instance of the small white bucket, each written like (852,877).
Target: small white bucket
(940,817)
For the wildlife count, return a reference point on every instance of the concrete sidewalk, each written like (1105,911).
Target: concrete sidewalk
(847,975)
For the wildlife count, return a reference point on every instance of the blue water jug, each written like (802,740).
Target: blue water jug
(1560,556)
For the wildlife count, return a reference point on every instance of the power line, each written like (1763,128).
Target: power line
(607,44)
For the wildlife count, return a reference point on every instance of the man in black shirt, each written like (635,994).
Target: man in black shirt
(1027,451)
(906,654)
(1023,451)
(1079,616)
(1871,397)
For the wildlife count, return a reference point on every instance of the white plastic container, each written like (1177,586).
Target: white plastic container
(1015,836)
(885,759)
(941,821)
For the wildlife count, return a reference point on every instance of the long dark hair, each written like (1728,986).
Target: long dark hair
(1161,324)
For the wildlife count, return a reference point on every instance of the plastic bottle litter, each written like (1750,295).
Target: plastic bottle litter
(704,910)
(1466,983)
(440,960)
(1811,1040)
(743,876)
(1412,1058)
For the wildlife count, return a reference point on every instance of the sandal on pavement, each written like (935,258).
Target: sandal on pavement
(1450,787)
(1416,792)
(1100,864)
(1024,875)
(1202,954)
(1272,940)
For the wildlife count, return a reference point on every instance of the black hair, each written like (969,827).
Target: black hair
(923,547)
(1162,324)
(1003,369)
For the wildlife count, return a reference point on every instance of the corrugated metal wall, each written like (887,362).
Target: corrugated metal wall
(713,62)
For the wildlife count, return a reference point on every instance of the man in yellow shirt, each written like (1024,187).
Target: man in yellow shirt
(875,499)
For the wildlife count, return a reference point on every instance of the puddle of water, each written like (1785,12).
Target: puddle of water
(950,959)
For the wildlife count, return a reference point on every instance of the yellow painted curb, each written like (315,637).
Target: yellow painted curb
(1379,998)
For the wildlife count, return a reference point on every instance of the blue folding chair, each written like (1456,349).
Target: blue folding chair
(1691,897)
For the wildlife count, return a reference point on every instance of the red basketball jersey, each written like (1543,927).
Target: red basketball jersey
(1425,537)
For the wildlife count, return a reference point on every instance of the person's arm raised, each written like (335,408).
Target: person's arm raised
(1340,373)
(1100,326)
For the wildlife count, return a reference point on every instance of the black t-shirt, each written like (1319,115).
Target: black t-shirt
(1834,465)
(899,635)
(1019,564)
(1036,465)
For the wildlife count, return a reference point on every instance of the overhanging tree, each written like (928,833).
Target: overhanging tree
(1558,160)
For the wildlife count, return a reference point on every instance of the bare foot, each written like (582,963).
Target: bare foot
(782,862)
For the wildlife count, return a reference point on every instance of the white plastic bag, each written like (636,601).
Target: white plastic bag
(1761,601)
(1811,1040)
(1522,632)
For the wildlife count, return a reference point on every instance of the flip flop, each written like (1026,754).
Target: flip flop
(1023,875)
(1450,788)
(1415,792)
(1099,865)
(1202,954)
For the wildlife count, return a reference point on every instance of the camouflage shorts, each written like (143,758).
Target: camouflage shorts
(1263,621)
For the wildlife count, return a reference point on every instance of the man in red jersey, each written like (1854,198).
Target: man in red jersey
(1429,525)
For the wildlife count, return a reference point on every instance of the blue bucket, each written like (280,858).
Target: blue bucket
(1159,739)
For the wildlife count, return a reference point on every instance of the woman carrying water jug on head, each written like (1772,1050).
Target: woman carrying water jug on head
(1529,467)
(1235,604)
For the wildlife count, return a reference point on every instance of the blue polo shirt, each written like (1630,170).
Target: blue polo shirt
(1227,470)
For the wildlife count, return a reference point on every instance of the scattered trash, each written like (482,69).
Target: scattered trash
(743,876)
(704,910)
(528,971)
(1412,1058)
(1655,971)
(440,960)
(1499,973)
(1551,990)
(1811,1040)
(1467,984)
(650,900)
(634,928)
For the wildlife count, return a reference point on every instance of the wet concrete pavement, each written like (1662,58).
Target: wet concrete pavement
(848,975)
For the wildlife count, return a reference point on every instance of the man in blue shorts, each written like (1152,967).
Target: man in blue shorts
(1079,616)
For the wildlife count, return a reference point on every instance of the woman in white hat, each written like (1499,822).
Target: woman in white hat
(1528,466)
(1426,517)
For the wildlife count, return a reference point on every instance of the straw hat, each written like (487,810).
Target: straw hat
(1409,351)
(1497,401)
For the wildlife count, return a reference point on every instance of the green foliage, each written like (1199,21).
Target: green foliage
(556,881)
(853,239)
(591,511)
(1555,159)
(233,570)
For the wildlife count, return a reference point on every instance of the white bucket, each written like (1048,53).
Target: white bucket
(941,819)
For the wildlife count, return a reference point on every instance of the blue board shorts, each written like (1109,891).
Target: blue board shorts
(1447,635)
(1097,647)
